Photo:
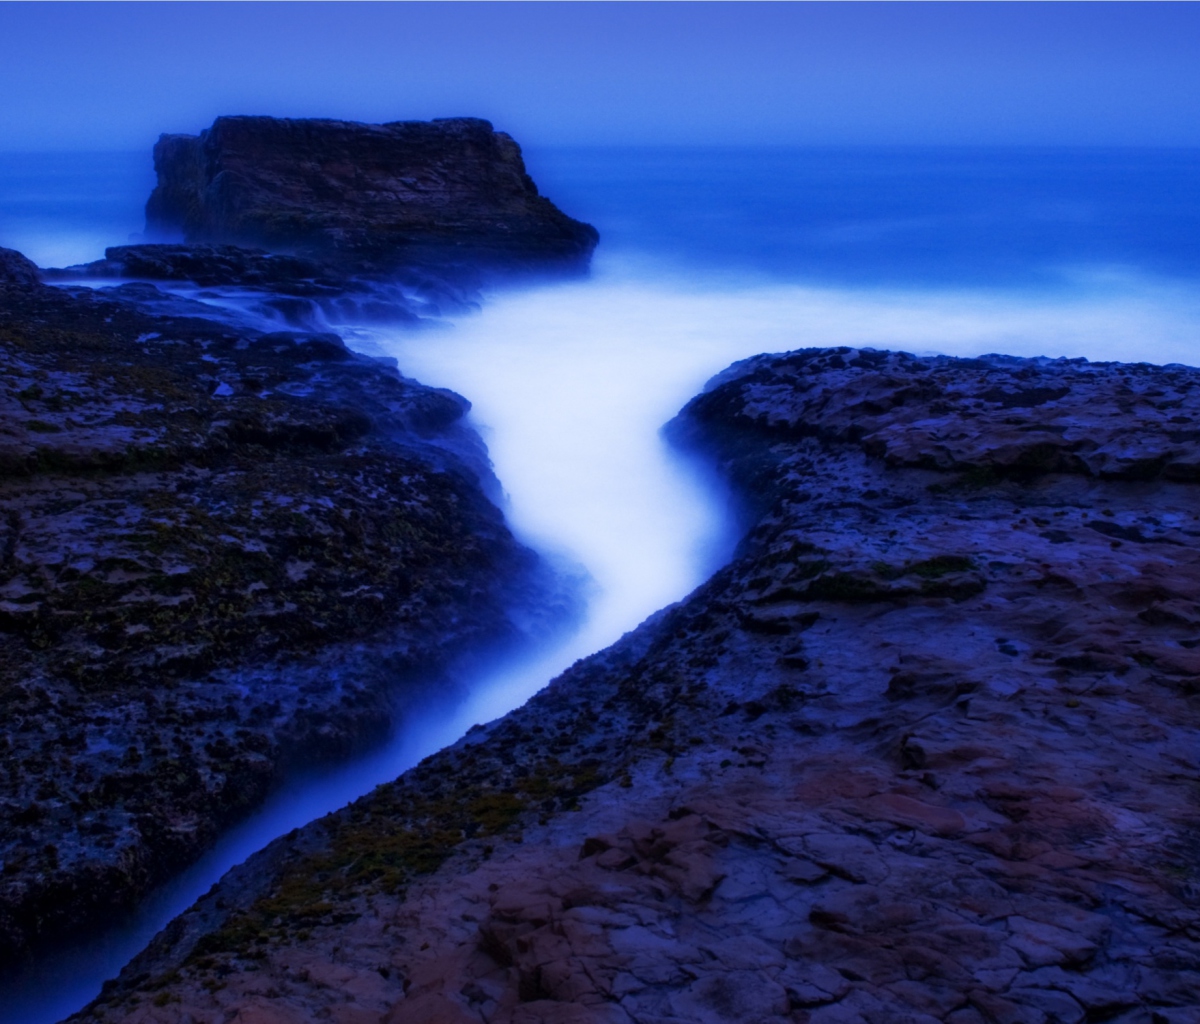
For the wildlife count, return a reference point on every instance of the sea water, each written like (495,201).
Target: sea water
(707,256)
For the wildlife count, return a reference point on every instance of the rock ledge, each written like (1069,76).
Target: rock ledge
(924,752)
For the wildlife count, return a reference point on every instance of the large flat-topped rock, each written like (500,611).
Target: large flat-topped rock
(447,190)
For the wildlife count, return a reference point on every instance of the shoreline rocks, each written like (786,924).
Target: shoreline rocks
(18,272)
(224,554)
(924,751)
(452,192)
(292,290)
(229,546)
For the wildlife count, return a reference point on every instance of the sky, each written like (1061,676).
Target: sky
(95,76)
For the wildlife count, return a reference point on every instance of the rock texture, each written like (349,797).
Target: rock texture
(296,291)
(223,553)
(212,266)
(17,272)
(377,196)
(925,751)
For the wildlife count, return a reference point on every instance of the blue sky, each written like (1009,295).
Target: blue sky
(112,76)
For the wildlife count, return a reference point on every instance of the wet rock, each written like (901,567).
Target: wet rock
(972,805)
(1098,419)
(296,291)
(224,555)
(212,265)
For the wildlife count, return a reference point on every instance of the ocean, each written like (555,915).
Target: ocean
(707,256)
(870,217)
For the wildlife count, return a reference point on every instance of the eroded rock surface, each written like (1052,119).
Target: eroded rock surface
(451,191)
(223,553)
(925,751)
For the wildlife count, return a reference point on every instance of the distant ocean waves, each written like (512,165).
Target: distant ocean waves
(1030,251)
(904,217)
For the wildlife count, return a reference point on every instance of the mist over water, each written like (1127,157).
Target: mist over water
(571,383)
(707,257)
(906,217)
(65,208)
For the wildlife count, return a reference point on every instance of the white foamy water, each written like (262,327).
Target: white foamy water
(570,385)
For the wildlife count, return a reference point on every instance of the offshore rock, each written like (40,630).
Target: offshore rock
(444,192)
(224,554)
(924,751)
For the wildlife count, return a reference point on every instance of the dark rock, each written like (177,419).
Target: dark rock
(304,347)
(210,266)
(224,555)
(404,193)
(974,416)
(18,271)
(303,292)
(976,801)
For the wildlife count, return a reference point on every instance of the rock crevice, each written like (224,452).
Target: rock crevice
(923,752)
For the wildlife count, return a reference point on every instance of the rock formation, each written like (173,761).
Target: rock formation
(228,549)
(211,266)
(451,191)
(924,752)
(225,554)
(298,292)
(17,272)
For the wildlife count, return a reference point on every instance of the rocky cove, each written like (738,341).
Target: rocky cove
(924,750)
(921,752)
(231,552)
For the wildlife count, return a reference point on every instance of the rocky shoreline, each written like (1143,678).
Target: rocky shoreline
(254,287)
(924,751)
(227,554)
(233,548)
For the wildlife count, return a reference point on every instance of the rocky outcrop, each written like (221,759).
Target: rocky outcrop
(444,192)
(17,271)
(212,266)
(296,291)
(997,415)
(224,554)
(923,752)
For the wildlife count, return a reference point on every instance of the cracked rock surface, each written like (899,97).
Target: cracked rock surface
(224,554)
(924,751)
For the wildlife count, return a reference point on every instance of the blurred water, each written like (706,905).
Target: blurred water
(1012,218)
(65,208)
(707,257)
